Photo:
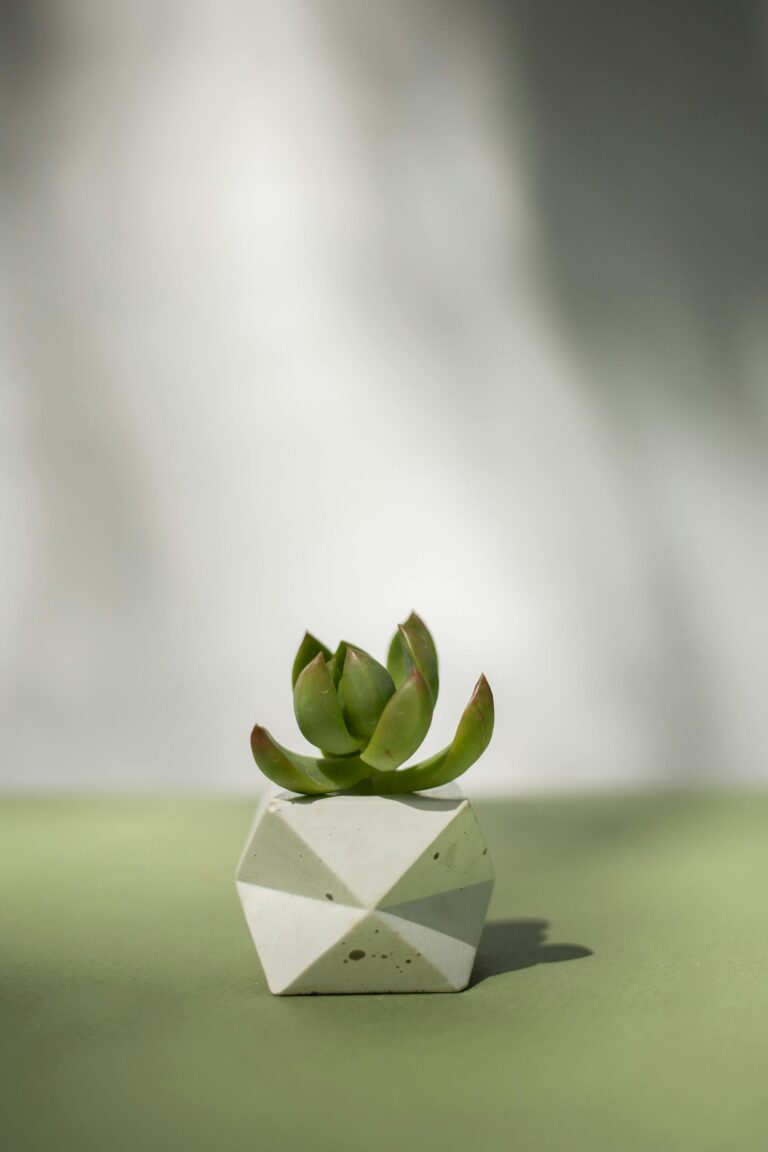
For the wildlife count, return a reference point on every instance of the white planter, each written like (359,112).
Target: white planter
(366,893)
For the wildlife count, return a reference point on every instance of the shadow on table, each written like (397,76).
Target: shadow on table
(507,945)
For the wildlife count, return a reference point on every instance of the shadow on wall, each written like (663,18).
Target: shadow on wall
(650,159)
(508,945)
(648,162)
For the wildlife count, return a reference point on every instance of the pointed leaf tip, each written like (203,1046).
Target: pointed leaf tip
(308,649)
(318,711)
(304,774)
(413,646)
(473,735)
(402,726)
(364,689)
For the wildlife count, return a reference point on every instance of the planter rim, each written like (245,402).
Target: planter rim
(444,792)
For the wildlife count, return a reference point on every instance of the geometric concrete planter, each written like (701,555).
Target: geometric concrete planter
(350,893)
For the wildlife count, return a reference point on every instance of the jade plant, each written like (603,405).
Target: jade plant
(367,720)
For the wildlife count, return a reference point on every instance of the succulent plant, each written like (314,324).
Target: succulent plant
(367,720)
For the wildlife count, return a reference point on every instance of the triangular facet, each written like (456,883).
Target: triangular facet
(340,831)
(277,858)
(456,858)
(449,956)
(372,957)
(459,913)
(290,931)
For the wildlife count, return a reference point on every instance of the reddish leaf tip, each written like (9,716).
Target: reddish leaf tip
(259,735)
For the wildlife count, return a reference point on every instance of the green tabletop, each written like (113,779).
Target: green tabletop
(620,999)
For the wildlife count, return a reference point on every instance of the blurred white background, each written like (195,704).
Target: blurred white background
(314,312)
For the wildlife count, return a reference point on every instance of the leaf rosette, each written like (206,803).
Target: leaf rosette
(367,719)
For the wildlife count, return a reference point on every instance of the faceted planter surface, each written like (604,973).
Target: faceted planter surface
(366,893)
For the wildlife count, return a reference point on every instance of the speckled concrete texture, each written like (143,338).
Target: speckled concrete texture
(346,894)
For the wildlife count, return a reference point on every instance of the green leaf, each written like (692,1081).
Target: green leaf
(402,726)
(472,737)
(413,647)
(304,773)
(399,660)
(336,663)
(364,690)
(318,711)
(308,649)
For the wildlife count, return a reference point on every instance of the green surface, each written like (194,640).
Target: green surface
(134,1014)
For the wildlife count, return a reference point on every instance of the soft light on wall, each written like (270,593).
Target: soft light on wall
(292,342)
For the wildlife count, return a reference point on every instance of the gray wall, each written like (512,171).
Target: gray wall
(315,312)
